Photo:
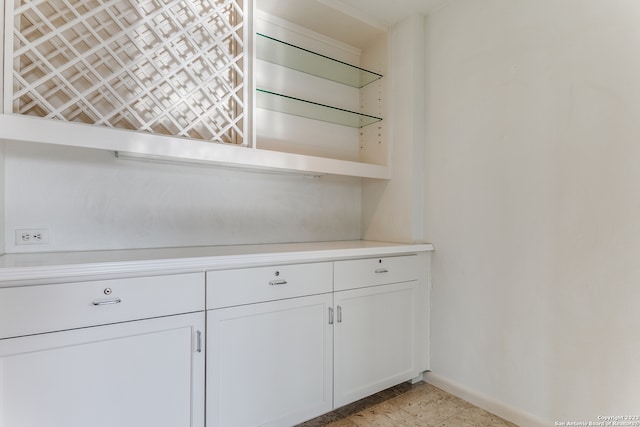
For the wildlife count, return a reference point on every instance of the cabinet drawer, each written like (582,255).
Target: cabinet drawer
(226,288)
(46,308)
(361,273)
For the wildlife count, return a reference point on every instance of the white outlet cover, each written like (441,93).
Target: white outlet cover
(32,236)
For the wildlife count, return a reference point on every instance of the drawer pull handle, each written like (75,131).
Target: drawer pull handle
(381,270)
(199,341)
(108,301)
(276,282)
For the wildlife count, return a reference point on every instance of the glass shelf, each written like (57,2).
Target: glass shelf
(306,61)
(313,110)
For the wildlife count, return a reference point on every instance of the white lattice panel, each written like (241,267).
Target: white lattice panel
(171,67)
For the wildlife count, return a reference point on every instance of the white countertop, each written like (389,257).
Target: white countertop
(56,267)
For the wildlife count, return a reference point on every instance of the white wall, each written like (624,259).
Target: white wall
(2,186)
(88,199)
(2,174)
(533,203)
(393,210)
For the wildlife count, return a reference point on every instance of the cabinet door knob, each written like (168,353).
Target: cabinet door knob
(339,314)
(107,301)
(276,282)
(331,315)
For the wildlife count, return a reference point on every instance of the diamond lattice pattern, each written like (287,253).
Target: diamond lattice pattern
(170,67)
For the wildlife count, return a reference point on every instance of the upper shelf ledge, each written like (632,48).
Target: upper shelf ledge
(16,127)
(278,52)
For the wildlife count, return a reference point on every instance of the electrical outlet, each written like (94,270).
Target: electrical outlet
(32,236)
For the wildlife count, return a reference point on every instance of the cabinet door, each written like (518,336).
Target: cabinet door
(374,340)
(141,373)
(269,364)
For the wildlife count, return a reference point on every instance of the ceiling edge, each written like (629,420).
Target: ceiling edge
(356,13)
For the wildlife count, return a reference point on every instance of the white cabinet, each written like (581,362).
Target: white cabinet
(269,364)
(381,330)
(373,340)
(296,341)
(284,343)
(58,370)
(30,310)
(142,373)
(227,288)
(361,273)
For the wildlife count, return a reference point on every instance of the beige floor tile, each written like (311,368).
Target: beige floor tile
(436,411)
(474,417)
(414,399)
(384,415)
(419,405)
(485,418)
(342,423)
(430,405)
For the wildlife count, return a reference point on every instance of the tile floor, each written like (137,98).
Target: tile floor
(406,405)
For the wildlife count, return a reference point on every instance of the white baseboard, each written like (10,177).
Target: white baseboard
(489,404)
